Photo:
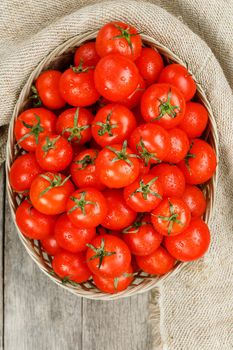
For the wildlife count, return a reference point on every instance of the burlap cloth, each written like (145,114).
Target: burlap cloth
(192,310)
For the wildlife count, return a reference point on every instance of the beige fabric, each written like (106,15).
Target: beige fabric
(196,305)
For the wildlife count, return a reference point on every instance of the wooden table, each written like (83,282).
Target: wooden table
(36,314)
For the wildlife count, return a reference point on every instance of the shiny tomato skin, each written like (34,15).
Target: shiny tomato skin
(165,210)
(150,64)
(192,243)
(178,76)
(54,153)
(114,285)
(117,123)
(112,265)
(134,98)
(116,77)
(70,237)
(164,105)
(158,262)
(78,88)
(54,200)
(111,38)
(32,223)
(47,86)
(71,266)
(50,245)
(43,118)
(179,146)
(171,178)
(22,172)
(119,214)
(195,200)
(195,119)
(87,54)
(200,162)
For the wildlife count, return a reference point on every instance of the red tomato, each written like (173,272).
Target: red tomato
(179,146)
(47,87)
(200,162)
(195,200)
(86,207)
(117,166)
(119,37)
(151,142)
(70,237)
(171,217)
(164,105)
(32,223)
(150,64)
(49,193)
(157,263)
(83,170)
(116,77)
(195,119)
(178,76)
(75,125)
(144,194)
(33,124)
(119,214)
(112,124)
(23,171)
(133,99)
(114,285)
(87,55)
(108,256)
(77,86)
(50,245)
(171,178)
(143,169)
(54,153)
(192,243)
(71,267)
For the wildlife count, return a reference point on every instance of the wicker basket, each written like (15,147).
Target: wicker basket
(60,58)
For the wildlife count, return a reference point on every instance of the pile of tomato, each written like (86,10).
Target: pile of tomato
(111,162)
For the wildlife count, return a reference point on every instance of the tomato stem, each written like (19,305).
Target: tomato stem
(100,252)
(171,219)
(145,189)
(145,154)
(106,127)
(80,203)
(134,228)
(166,107)
(50,144)
(35,97)
(124,33)
(76,131)
(35,130)
(188,156)
(55,182)
(122,154)
(87,160)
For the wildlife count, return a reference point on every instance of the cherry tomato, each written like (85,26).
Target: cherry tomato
(23,171)
(134,99)
(112,124)
(32,223)
(70,237)
(195,119)
(179,146)
(75,125)
(192,243)
(164,105)
(119,37)
(114,285)
(171,178)
(33,124)
(178,76)
(50,245)
(108,256)
(151,142)
(158,262)
(171,217)
(83,170)
(54,153)
(116,77)
(77,86)
(49,193)
(200,162)
(195,200)
(86,207)
(119,214)
(150,64)
(71,267)
(47,89)
(143,169)
(144,194)
(87,55)
(117,166)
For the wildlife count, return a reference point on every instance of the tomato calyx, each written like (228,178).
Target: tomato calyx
(35,97)
(122,154)
(35,130)
(166,107)
(145,154)
(80,68)
(145,189)
(55,182)
(100,252)
(171,219)
(75,131)
(124,33)
(67,279)
(80,203)
(106,127)
(188,156)
(134,228)
(86,161)
(50,144)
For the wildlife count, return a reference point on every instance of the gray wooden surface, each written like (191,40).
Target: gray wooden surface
(38,315)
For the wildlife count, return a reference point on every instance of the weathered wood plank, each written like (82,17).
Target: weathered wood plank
(2,218)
